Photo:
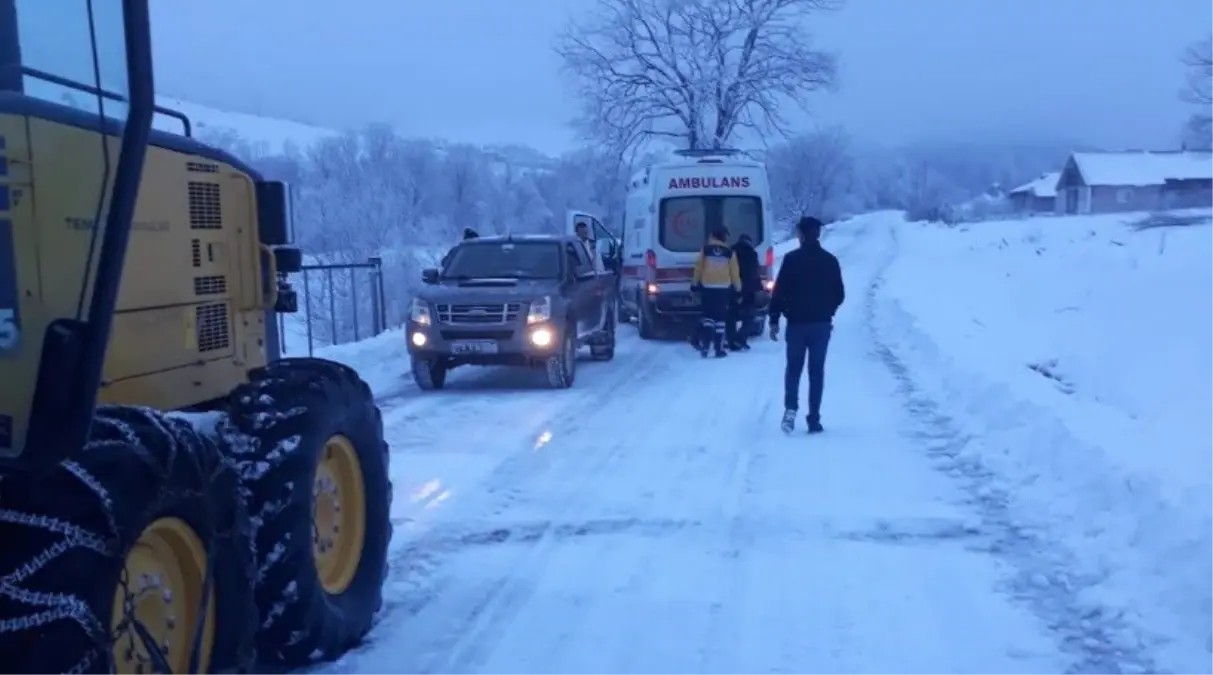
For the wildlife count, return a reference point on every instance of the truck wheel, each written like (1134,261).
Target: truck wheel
(316,471)
(111,550)
(429,374)
(605,351)
(562,368)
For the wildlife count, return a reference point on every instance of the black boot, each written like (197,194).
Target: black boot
(814,425)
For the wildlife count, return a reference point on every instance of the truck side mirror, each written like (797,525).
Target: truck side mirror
(430,275)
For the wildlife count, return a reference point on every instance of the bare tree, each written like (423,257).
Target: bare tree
(810,172)
(1198,59)
(693,70)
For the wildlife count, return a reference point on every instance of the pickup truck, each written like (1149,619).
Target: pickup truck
(513,300)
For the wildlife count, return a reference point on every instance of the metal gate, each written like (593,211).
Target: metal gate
(338,304)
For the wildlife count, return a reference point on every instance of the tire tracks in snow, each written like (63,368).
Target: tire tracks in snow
(417,570)
(1097,638)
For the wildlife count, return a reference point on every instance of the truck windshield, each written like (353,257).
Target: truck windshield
(686,221)
(505,260)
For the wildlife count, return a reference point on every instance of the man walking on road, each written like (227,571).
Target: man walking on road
(808,291)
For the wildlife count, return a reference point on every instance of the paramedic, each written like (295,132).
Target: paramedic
(742,307)
(808,291)
(716,279)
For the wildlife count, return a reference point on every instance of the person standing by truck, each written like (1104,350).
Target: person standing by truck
(582,230)
(741,309)
(715,278)
(808,292)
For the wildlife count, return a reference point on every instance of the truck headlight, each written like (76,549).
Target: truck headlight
(540,310)
(768,285)
(542,337)
(419,312)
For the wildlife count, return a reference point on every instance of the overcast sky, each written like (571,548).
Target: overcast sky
(1101,71)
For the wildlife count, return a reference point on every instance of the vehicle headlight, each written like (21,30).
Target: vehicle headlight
(542,337)
(540,310)
(419,312)
(768,285)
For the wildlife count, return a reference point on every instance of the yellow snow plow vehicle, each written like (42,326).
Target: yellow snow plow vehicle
(174,497)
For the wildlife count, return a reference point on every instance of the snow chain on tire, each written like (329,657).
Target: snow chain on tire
(289,411)
(67,533)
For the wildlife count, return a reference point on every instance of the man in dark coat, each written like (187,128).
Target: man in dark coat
(808,291)
(742,308)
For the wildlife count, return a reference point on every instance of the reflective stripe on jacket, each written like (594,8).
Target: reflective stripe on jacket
(716,267)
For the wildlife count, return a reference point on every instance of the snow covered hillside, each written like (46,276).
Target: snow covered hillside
(1073,359)
(271,133)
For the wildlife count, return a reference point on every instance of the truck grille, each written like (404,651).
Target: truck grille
(479,314)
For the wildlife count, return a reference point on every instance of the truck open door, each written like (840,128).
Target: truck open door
(605,241)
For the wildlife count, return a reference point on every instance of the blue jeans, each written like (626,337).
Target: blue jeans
(811,339)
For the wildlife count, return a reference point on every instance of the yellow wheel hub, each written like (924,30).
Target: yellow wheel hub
(164,578)
(339,516)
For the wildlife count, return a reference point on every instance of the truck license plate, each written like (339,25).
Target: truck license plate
(474,347)
(685,301)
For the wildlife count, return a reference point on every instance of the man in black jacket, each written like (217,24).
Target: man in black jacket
(808,291)
(742,307)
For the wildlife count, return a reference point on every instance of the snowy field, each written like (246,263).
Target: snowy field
(953,518)
(1072,359)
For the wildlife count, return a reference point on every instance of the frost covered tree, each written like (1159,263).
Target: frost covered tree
(693,71)
(1198,62)
(811,173)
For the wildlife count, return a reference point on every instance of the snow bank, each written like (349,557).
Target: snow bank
(783,248)
(383,361)
(1076,354)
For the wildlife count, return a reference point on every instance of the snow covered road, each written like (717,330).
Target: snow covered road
(654,519)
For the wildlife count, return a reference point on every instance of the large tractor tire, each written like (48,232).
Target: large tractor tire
(111,550)
(316,471)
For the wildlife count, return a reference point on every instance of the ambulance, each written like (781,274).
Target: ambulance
(671,207)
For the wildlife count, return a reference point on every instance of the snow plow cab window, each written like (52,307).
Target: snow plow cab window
(686,221)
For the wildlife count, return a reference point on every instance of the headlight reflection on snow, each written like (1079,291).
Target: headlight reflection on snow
(446,494)
(430,492)
(543,439)
(424,492)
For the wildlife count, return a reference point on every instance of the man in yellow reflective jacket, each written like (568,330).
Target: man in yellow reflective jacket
(716,278)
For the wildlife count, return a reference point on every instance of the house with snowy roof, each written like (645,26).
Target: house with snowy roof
(1037,196)
(1135,180)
